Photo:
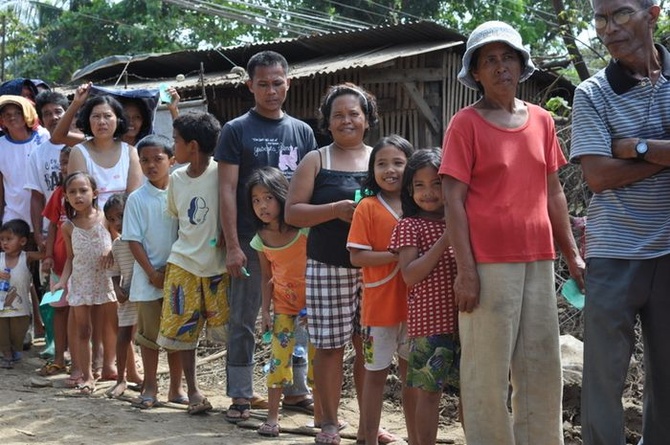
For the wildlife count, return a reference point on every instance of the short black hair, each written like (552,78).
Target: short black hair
(198,126)
(266,58)
(117,199)
(49,97)
(367,101)
(425,157)
(156,140)
(83,118)
(144,111)
(16,226)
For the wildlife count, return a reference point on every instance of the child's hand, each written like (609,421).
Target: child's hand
(157,278)
(121,294)
(174,96)
(57,286)
(5,275)
(47,265)
(266,320)
(344,210)
(107,261)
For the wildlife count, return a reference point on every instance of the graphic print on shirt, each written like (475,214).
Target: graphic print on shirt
(52,176)
(13,300)
(288,159)
(275,150)
(197,211)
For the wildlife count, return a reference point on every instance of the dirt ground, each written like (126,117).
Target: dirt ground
(31,414)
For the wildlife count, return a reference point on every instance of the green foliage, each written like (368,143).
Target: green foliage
(558,106)
(98,28)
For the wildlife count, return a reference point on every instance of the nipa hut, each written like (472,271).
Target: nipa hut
(411,68)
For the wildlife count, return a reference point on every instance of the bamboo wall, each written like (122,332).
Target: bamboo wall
(398,112)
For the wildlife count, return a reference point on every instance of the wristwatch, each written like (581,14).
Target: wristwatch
(641,148)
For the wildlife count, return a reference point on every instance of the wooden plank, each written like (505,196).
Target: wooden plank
(403,75)
(414,93)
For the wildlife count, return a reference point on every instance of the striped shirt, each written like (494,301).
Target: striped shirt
(123,263)
(630,222)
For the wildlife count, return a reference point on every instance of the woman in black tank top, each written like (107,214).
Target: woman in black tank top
(321,197)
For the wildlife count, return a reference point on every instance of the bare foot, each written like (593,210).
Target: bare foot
(117,390)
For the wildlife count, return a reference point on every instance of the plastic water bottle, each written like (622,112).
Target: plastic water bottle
(301,336)
(4,284)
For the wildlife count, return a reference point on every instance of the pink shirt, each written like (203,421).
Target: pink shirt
(506,171)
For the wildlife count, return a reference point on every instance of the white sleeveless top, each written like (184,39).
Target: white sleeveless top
(110,180)
(19,284)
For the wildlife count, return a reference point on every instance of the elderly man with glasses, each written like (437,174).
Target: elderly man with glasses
(621,137)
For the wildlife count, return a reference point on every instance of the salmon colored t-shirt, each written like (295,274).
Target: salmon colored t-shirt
(384,291)
(288,272)
(506,172)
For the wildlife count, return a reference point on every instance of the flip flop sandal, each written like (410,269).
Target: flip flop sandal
(145,402)
(200,407)
(341,424)
(242,409)
(259,403)
(52,369)
(85,390)
(181,400)
(383,437)
(305,406)
(6,364)
(324,438)
(268,430)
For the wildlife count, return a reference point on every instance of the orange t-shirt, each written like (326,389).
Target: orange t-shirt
(506,171)
(288,272)
(384,291)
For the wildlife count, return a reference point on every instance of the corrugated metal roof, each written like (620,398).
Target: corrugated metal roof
(320,65)
(301,49)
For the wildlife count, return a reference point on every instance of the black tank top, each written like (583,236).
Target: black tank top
(327,242)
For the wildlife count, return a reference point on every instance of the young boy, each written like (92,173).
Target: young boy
(196,281)
(150,233)
(15,290)
(53,263)
(122,276)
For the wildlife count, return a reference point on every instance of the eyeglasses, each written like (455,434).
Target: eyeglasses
(619,18)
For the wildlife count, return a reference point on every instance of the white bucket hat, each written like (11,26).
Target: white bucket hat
(490,32)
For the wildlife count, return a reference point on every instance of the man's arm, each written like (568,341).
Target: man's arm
(36,209)
(560,225)
(228,177)
(2,197)
(658,150)
(466,285)
(604,173)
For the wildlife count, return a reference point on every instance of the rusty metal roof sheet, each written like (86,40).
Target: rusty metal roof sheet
(309,68)
(301,49)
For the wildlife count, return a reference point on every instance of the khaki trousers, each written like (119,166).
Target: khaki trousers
(512,337)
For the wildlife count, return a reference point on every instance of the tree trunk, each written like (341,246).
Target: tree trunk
(569,40)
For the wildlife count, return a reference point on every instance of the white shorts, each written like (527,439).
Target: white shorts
(381,343)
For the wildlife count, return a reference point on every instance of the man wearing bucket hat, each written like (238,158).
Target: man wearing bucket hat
(505,207)
(621,137)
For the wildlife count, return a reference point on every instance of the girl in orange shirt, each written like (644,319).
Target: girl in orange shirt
(282,251)
(384,303)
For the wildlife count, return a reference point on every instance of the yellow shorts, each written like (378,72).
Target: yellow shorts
(281,358)
(189,301)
